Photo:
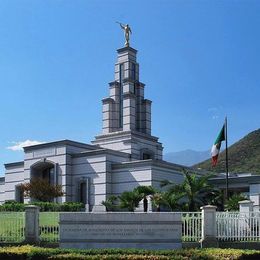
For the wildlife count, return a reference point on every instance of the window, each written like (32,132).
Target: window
(147,154)
(121,93)
(48,175)
(83,192)
(133,70)
(19,194)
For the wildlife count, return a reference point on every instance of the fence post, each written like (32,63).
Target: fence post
(209,230)
(245,206)
(32,224)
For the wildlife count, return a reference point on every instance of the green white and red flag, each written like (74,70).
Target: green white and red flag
(216,146)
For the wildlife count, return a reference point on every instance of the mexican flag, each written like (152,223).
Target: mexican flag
(216,146)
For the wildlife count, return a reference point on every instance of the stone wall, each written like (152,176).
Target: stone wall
(120,230)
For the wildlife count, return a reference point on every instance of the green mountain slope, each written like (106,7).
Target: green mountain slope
(244,156)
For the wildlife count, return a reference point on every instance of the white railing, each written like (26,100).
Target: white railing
(191,226)
(235,226)
(49,226)
(12,226)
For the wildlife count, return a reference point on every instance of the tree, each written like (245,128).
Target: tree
(144,192)
(41,190)
(172,200)
(192,192)
(158,200)
(130,200)
(110,203)
(232,203)
(215,197)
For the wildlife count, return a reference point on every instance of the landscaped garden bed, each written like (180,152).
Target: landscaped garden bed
(31,252)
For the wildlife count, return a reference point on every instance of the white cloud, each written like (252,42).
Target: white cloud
(18,146)
(212,109)
(215,112)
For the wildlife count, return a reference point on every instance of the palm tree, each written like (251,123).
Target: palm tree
(172,200)
(192,191)
(110,203)
(144,192)
(232,203)
(158,200)
(129,200)
(216,198)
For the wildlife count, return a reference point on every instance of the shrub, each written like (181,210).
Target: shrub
(30,252)
(44,206)
(34,253)
(41,190)
(12,206)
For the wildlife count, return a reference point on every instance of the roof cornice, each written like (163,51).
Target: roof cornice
(60,143)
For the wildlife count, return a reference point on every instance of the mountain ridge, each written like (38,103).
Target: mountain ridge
(187,157)
(243,156)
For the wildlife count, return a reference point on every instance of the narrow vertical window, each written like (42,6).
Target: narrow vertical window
(133,71)
(19,197)
(82,192)
(121,78)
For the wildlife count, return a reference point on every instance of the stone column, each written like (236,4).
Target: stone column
(114,93)
(245,206)
(209,230)
(107,115)
(129,122)
(146,116)
(87,208)
(32,224)
(254,193)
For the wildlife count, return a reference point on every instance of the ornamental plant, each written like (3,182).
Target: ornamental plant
(41,190)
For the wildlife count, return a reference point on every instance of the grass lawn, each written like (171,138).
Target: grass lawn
(13,223)
(12,226)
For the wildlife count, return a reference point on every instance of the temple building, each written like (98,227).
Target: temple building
(124,156)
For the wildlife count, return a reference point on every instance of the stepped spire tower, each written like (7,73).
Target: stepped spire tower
(126,113)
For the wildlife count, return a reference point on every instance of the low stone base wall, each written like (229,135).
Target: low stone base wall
(120,230)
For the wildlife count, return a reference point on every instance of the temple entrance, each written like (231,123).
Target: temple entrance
(44,170)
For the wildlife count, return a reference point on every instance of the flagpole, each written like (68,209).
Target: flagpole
(226,137)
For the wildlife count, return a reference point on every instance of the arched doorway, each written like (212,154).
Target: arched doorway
(45,170)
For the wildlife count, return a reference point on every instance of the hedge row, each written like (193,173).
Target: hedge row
(44,206)
(30,252)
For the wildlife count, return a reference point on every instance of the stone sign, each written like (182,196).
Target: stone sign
(120,230)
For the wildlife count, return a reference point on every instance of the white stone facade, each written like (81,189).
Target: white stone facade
(124,156)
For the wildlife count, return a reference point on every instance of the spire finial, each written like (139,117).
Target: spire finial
(127,31)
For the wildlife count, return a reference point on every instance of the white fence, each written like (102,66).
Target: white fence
(236,226)
(191,226)
(230,226)
(49,226)
(12,226)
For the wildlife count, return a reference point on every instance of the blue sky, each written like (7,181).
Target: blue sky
(199,60)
